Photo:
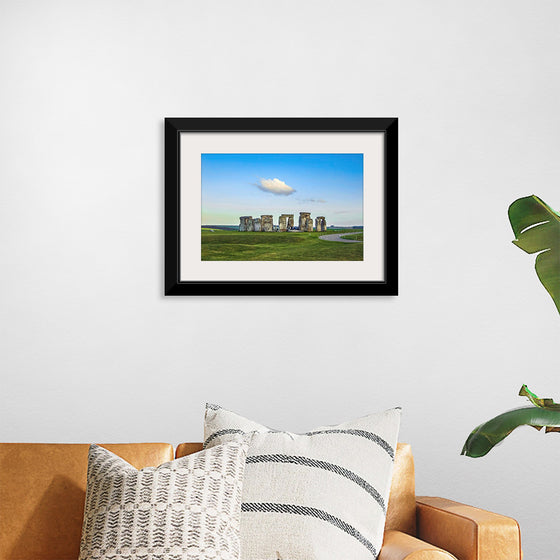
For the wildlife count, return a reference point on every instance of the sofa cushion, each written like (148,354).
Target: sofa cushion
(42,492)
(401,510)
(186,509)
(322,494)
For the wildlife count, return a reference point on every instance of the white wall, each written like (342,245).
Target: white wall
(92,351)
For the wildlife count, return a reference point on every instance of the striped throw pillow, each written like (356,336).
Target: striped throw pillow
(187,509)
(313,496)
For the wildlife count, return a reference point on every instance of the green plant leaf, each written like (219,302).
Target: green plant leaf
(537,401)
(483,438)
(543,413)
(536,227)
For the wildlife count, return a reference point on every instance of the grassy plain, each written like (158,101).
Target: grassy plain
(355,237)
(221,245)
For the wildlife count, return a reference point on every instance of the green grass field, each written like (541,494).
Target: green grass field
(355,237)
(220,245)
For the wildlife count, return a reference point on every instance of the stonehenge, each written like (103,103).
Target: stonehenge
(266,222)
(246,223)
(305,221)
(285,223)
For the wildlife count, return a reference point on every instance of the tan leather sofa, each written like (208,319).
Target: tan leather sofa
(42,491)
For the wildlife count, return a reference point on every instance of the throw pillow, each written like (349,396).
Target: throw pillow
(185,509)
(313,496)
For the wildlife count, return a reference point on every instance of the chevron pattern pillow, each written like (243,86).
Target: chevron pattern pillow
(313,496)
(187,509)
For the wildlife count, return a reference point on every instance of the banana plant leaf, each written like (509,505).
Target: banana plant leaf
(536,227)
(543,413)
(537,401)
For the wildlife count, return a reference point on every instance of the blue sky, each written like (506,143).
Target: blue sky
(329,185)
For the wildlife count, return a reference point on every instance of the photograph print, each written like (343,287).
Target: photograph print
(282,207)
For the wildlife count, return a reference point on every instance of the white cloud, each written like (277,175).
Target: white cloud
(275,186)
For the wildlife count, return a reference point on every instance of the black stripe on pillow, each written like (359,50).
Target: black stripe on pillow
(221,433)
(312,512)
(315,463)
(360,433)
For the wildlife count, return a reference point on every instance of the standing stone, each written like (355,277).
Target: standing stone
(244,223)
(266,222)
(309,224)
(285,222)
(303,217)
(256,224)
(320,223)
(290,221)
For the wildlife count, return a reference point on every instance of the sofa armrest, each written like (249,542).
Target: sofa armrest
(467,532)
(401,546)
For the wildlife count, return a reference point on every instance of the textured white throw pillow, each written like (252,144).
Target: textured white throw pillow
(187,509)
(321,495)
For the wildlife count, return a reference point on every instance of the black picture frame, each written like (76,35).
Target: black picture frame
(173,284)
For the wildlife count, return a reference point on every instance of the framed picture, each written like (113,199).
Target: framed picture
(281,206)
